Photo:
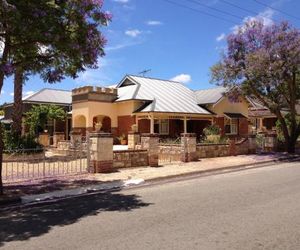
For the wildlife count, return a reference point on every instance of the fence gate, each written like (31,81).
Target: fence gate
(43,163)
(169,153)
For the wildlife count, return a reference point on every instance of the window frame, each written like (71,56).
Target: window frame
(233,123)
(161,123)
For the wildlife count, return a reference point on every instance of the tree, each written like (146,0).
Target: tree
(38,116)
(265,62)
(54,38)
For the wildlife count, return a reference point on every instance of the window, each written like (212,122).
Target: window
(231,126)
(161,127)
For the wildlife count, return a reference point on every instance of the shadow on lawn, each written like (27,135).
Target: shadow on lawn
(23,224)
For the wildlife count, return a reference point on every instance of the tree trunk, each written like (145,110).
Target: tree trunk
(1,159)
(18,104)
(290,147)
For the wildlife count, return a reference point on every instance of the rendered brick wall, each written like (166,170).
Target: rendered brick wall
(243,127)
(219,121)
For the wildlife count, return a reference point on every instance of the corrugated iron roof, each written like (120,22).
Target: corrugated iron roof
(165,96)
(210,96)
(46,95)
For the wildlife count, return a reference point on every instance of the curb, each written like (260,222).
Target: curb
(149,182)
(225,169)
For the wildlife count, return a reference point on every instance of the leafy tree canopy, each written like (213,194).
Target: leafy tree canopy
(265,62)
(39,115)
(54,38)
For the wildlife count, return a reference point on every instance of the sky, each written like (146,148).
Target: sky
(175,39)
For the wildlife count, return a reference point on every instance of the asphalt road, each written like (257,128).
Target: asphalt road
(253,209)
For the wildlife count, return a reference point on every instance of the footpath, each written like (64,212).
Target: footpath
(52,190)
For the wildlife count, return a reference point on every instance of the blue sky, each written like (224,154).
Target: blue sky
(173,41)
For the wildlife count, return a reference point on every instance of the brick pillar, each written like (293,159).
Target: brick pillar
(57,137)
(188,147)
(232,148)
(100,153)
(134,139)
(76,138)
(151,143)
(252,144)
(270,143)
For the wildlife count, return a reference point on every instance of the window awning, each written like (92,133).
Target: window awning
(234,115)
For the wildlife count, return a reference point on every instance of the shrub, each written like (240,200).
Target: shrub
(212,134)
(212,130)
(14,142)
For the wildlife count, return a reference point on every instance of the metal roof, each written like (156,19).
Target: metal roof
(55,96)
(165,96)
(210,96)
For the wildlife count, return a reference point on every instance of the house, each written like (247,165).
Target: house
(157,106)
(57,97)
(229,107)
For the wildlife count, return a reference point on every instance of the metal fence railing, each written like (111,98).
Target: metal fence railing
(40,163)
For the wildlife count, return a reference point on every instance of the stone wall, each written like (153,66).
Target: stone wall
(130,158)
(212,150)
(241,147)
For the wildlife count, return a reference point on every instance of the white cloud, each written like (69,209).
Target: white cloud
(121,1)
(183,78)
(265,16)
(12,94)
(133,33)
(221,37)
(122,46)
(154,23)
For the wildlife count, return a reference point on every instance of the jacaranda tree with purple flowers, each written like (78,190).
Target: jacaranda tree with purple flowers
(265,62)
(53,38)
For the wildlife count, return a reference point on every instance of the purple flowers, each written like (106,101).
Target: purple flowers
(7,69)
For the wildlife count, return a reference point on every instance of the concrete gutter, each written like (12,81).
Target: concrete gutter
(56,196)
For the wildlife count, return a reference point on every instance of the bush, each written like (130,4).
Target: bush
(14,142)
(212,134)
(212,130)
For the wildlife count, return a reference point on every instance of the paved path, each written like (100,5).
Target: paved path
(253,209)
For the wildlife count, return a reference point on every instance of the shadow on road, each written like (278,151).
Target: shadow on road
(50,185)
(23,224)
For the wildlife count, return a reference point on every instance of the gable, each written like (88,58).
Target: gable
(230,105)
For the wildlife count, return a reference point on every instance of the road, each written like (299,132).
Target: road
(251,209)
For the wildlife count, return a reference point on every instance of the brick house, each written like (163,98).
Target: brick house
(56,97)
(157,106)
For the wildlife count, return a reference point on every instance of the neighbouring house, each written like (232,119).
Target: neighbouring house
(157,106)
(57,97)
(261,118)
(229,107)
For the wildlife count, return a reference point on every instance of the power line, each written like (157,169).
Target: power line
(283,12)
(215,9)
(199,11)
(246,10)
(238,7)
